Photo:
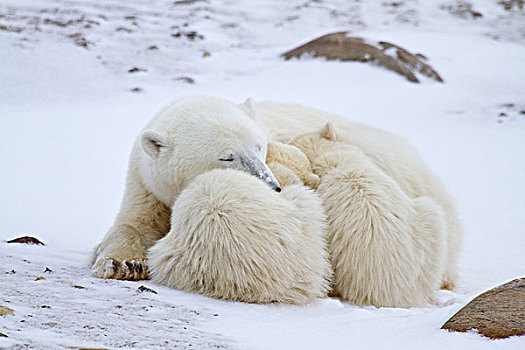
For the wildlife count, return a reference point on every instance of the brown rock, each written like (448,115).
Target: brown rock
(340,46)
(497,313)
(6,311)
(26,240)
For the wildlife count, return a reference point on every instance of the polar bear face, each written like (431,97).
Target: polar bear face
(196,135)
(290,165)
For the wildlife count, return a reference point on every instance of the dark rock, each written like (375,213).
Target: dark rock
(185,80)
(462,9)
(80,40)
(509,4)
(185,2)
(146,289)
(26,240)
(136,70)
(124,29)
(497,313)
(11,29)
(340,46)
(191,35)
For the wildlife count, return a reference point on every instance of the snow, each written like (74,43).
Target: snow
(69,119)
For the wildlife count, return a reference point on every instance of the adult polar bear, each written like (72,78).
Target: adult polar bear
(158,171)
(189,137)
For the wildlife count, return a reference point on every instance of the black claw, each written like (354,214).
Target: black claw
(278,189)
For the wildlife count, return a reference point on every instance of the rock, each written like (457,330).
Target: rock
(341,46)
(26,240)
(6,311)
(462,9)
(136,70)
(497,313)
(185,80)
(191,35)
(146,289)
(80,40)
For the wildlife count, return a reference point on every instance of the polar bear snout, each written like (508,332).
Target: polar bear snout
(257,167)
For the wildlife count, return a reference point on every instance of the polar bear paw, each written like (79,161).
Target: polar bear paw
(131,270)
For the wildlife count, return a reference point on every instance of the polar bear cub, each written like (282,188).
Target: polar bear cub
(386,249)
(290,165)
(232,237)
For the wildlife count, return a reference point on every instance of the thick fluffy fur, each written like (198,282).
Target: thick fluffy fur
(234,238)
(290,165)
(176,151)
(185,139)
(386,249)
(390,153)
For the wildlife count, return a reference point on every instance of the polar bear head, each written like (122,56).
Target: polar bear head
(313,144)
(194,135)
(290,165)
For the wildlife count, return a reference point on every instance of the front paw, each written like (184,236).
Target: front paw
(120,269)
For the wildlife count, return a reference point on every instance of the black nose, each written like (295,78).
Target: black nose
(278,189)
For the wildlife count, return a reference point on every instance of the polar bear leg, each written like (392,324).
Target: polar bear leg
(142,220)
(386,249)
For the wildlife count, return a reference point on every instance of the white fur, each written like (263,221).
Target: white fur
(234,238)
(386,249)
(390,153)
(183,140)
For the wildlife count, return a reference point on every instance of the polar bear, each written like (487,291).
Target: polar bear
(185,139)
(290,165)
(234,238)
(386,249)
(390,153)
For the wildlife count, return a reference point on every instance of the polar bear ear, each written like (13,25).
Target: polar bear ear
(248,107)
(152,143)
(328,132)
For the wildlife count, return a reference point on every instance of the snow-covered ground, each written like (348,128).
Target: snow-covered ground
(69,115)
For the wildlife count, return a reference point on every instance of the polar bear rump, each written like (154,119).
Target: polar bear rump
(232,237)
